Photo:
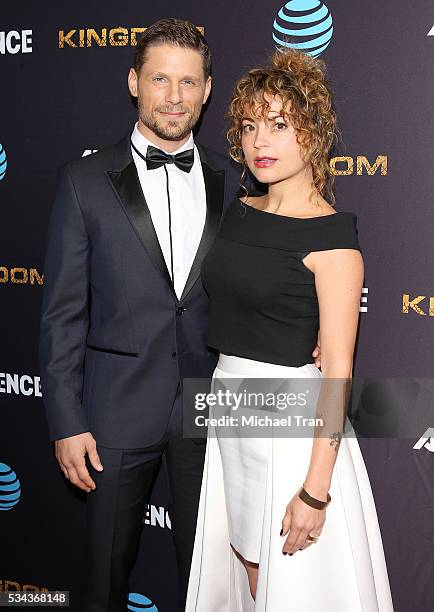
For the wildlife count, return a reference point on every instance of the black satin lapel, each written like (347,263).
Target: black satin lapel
(126,185)
(214,187)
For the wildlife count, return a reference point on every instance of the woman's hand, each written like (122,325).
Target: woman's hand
(300,520)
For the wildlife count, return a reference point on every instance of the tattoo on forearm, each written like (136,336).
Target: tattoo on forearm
(336,440)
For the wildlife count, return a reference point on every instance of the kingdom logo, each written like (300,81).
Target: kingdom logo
(113,37)
(103,37)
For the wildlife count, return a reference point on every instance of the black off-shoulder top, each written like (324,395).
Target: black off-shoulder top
(263,301)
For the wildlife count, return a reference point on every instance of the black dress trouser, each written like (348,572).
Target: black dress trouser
(114,513)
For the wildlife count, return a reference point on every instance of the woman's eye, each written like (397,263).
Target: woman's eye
(280,126)
(247,128)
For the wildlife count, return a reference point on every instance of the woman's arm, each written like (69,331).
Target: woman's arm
(339,277)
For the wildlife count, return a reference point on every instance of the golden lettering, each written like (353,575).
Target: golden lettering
(21,276)
(134,32)
(15,278)
(118,37)
(66,39)
(101,41)
(347,160)
(11,583)
(35,276)
(16,586)
(4,274)
(380,162)
(407,304)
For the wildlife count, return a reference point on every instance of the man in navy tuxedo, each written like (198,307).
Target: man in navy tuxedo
(124,314)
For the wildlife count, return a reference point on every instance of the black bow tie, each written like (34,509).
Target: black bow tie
(156,158)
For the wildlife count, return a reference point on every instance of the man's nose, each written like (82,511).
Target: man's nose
(174,95)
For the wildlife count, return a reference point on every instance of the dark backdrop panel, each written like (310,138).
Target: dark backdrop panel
(58,102)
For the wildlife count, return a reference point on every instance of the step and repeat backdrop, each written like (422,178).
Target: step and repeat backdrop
(63,83)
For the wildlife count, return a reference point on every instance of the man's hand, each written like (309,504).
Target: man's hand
(70,454)
(317,353)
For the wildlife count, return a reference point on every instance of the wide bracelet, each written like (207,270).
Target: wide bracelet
(311,501)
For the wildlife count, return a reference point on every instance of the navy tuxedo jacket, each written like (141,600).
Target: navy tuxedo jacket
(115,341)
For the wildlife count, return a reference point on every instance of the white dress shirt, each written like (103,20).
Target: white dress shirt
(187,205)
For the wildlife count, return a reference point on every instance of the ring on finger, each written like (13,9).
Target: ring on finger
(311,538)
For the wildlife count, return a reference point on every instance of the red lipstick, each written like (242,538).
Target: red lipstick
(264,162)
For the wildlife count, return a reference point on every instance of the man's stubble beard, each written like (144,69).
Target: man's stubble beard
(173,130)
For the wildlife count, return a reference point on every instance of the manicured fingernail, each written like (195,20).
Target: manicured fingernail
(285,553)
(290,554)
(281,532)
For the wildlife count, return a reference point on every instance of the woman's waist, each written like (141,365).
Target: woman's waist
(243,366)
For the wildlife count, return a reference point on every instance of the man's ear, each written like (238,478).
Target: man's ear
(207,89)
(132,82)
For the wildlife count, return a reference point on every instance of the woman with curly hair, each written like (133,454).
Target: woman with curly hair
(284,265)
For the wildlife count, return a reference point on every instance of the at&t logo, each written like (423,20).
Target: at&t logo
(140,603)
(305,25)
(10,488)
(3,162)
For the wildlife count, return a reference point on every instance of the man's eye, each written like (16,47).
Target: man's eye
(188,82)
(159,79)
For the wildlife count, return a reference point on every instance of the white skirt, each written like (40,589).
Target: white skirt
(247,484)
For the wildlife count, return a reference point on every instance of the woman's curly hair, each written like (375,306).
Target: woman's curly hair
(300,80)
